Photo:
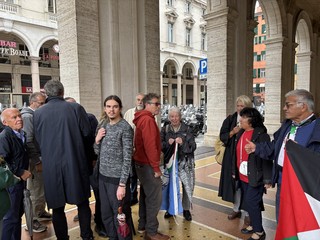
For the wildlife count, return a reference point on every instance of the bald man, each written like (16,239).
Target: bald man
(13,149)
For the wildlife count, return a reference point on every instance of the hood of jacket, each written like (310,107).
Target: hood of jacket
(140,115)
(27,110)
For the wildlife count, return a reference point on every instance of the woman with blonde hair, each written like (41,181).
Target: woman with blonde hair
(228,187)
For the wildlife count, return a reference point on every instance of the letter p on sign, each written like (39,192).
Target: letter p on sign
(203,68)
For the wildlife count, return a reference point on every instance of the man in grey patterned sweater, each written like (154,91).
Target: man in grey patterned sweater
(114,145)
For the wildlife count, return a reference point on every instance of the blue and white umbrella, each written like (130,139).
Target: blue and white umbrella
(171,197)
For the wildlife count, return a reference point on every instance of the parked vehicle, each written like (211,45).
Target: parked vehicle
(194,117)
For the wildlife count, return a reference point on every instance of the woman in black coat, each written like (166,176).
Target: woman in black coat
(253,172)
(179,132)
(227,186)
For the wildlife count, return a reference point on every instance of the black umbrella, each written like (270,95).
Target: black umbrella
(28,211)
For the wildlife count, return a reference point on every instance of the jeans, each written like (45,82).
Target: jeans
(12,220)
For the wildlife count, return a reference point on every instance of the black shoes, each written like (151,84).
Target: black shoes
(101,231)
(134,202)
(167,215)
(187,215)
(247,230)
(261,236)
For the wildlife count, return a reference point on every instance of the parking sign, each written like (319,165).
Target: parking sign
(203,68)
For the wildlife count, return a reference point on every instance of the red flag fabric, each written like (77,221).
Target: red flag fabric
(299,216)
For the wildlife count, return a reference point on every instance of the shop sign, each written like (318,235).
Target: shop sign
(47,57)
(7,48)
(5,88)
(4,43)
(12,51)
(26,89)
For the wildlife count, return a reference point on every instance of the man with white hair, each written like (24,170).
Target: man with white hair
(13,150)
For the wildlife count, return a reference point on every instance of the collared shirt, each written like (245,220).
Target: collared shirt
(292,135)
(20,135)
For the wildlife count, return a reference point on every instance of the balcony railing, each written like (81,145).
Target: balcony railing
(8,7)
(53,17)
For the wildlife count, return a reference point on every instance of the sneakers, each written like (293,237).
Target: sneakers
(37,227)
(141,230)
(45,216)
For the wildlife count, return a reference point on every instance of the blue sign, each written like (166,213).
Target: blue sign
(203,68)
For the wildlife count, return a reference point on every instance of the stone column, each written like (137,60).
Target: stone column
(315,71)
(273,83)
(35,75)
(170,92)
(148,43)
(184,92)
(251,24)
(195,91)
(161,87)
(16,79)
(179,89)
(303,70)
(220,85)
(80,52)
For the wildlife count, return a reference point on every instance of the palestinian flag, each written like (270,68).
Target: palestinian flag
(299,216)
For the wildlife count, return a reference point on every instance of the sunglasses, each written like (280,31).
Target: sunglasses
(155,103)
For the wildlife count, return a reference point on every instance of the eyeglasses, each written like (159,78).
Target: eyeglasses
(41,103)
(155,103)
(288,105)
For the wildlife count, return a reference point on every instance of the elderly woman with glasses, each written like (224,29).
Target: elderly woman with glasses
(178,132)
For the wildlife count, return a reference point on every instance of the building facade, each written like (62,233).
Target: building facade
(113,47)
(183,43)
(29,50)
(259,57)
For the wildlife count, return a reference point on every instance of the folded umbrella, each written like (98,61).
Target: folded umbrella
(123,228)
(27,204)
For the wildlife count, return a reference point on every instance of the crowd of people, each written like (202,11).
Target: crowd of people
(112,154)
(253,163)
(108,156)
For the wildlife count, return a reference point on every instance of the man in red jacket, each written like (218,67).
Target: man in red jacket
(147,160)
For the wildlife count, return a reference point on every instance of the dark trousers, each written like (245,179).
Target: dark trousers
(12,220)
(109,209)
(150,199)
(252,201)
(60,225)
(134,184)
(278,201)
(97,211)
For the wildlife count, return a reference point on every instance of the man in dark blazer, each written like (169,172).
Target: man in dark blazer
(13,150)
(63,132)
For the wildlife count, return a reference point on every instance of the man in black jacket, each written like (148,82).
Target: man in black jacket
(13,150)
(63,132)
